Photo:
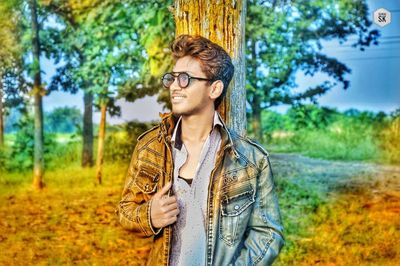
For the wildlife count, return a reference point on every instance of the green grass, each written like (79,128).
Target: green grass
(329,145)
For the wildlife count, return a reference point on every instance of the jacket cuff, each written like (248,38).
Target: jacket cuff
(153,230)
(143,219)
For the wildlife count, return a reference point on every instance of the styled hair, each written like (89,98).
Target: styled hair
(214,60)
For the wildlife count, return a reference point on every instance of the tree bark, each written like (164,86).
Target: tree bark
(221,21)
(38,171)
(101,141)
(255,102)
(1,113)
(87,147)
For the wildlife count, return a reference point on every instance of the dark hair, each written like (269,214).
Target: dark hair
(214,60)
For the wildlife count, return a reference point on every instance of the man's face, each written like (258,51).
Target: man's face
(194,98)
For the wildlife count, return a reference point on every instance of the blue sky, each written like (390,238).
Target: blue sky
(374,80)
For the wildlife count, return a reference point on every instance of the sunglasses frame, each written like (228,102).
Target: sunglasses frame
(177,74)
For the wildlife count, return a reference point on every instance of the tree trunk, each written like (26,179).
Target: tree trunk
(221,21)
(100,150)
(1,113)
(87,147)
(255,102)
(38,171)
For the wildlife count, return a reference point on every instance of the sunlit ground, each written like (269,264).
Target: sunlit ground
(335,213)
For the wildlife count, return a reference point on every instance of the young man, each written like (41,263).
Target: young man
(203,193)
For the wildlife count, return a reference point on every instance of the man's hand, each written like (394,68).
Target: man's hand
(164,210)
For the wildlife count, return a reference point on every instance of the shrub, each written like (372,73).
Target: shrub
(121,140)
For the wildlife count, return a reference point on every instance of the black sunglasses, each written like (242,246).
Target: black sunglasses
(183,79)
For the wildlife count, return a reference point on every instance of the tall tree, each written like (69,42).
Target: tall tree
(284,37)
(106,56)
(67,47)
(113,59)
(37,91)
(223,22)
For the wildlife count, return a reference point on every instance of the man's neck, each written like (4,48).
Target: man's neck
(196,128)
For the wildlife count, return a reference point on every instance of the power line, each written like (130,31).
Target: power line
(350,45)
(367,50)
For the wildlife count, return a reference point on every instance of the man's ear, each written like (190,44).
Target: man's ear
(217,87)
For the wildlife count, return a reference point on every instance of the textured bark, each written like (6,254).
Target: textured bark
(100,147)
(38,171)
(255,102)
(221,21)
(1,114)
(87,147)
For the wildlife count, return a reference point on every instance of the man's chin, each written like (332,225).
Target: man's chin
(180,112)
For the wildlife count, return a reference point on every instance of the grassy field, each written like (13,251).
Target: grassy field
(335,213)
(72,221)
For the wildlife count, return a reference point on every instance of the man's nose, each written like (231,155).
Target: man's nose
(175,85)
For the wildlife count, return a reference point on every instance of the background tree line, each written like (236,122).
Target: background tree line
(111,50)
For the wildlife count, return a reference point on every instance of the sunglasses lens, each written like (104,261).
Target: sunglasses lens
(183,80)
(167,80)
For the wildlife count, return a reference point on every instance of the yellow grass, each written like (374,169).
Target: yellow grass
(73,221)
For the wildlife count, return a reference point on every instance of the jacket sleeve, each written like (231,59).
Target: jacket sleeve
(134,208)
(265,239)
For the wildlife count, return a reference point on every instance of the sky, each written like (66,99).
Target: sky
(374,78)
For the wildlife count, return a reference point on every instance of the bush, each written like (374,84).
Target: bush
(389,141)
(21,153)
(121,140)
(326,133)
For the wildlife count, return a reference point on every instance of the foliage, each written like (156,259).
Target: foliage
(20,157)
(3,159)
(390,139)
(284,38)
(310,117)
(122,139)
(9,29)
(326,133)
(12,83)
(11,120)
(102,44)
(63,120)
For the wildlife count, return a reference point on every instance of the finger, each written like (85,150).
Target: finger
(164,190)
(171,220)
(171,207)
(169,200)
(173,213)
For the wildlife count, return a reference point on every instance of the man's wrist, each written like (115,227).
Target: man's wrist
(154,229)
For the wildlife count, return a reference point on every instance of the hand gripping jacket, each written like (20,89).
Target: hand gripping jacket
(243,219)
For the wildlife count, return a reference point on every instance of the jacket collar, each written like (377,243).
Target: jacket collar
(169,121)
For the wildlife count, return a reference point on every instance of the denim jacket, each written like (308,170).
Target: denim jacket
(243,220)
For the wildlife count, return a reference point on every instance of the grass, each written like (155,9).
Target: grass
(334,213)
(339,213)
(329,145)
(71,221)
